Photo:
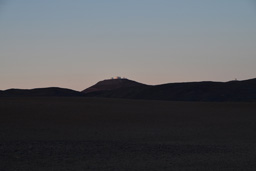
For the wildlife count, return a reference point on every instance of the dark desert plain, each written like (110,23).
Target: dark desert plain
(83,133)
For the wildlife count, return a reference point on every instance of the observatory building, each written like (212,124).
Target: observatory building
(117,78)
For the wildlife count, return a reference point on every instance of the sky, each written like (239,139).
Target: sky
(74,44)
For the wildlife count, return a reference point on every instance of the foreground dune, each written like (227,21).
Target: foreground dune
(75,133)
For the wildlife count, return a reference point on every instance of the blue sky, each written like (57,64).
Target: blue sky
(74,44)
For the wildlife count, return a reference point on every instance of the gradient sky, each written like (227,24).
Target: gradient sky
(75,44)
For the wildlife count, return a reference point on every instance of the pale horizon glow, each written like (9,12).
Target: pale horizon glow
(74,44)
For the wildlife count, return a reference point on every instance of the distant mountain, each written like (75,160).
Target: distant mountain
(125,88)
(113,84)
(191,91)
(40,92)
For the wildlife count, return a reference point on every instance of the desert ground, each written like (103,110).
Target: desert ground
(77,133)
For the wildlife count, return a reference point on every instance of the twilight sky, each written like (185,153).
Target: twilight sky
(75,44)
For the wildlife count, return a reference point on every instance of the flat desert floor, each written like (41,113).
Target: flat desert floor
(75,134)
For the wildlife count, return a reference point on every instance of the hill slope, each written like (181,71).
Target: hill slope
(191,91)
(40,92)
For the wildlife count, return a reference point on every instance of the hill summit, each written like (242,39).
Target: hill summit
(112,84)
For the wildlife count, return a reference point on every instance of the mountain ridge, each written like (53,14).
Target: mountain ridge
(244,90)
(40,92)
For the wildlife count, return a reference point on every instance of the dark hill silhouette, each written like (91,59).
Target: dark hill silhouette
(124,88)
(113,84)
(40,92)
(191,91)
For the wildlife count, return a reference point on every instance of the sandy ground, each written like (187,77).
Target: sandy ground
(112,134)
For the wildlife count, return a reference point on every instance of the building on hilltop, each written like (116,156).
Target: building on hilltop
(117,78)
